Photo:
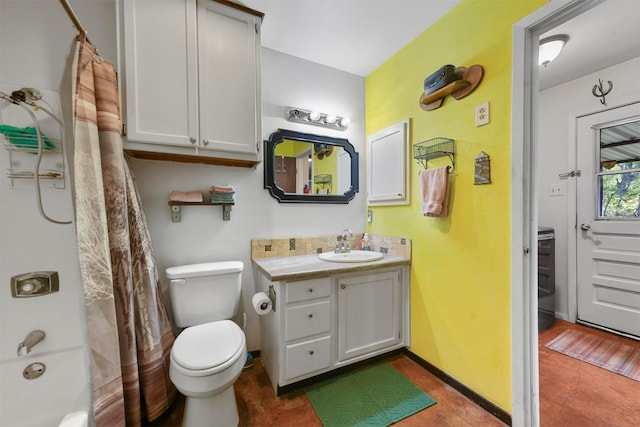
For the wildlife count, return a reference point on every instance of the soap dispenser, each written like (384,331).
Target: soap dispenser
(365,242)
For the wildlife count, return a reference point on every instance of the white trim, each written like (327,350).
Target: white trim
(525,88)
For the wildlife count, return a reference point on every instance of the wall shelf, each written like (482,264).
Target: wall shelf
(176,209)
(322,179)
(434,148)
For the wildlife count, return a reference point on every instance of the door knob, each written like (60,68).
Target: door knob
(585,227)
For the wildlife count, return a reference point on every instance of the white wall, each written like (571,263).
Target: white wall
(559,107)
(35,39)
(202,236)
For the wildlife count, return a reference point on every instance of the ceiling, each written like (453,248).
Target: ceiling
(357,36)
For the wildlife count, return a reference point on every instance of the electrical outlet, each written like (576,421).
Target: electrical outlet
(557,189)
(482,114)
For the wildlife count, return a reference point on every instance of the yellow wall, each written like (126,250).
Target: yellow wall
(460,273)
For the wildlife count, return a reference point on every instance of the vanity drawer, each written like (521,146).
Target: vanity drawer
(307,357)
(308,289)
(308,319)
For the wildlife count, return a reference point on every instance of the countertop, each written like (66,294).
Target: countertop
(301,267)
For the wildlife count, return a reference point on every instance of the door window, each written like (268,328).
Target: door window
(619,171)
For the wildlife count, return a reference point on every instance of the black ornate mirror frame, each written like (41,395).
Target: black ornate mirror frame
(269,168)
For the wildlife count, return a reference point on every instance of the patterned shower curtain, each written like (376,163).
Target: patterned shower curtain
(130,336)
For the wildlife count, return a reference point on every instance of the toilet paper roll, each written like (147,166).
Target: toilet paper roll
(261,303)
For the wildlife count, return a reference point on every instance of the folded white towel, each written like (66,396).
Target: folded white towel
(435,191)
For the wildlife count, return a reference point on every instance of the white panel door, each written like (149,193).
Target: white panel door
(608,219)
(388,166)
(161,75)
(229,70)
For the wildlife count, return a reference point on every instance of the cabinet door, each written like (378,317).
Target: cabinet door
(388,166)
(160,69)
(229,61)
(369,313)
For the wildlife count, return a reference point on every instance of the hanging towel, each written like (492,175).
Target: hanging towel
(435,191)
(185,196)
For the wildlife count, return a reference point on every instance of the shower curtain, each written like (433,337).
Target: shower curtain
(130,336)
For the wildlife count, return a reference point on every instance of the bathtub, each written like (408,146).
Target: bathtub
(45,401)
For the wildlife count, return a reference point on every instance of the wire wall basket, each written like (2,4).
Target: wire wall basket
(433,149)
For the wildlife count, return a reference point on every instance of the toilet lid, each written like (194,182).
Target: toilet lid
(208,345)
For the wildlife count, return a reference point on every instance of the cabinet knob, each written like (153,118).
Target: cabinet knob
(310,289)
(311,352)
(192,140)
(343,286)
(310,315)
(205,142)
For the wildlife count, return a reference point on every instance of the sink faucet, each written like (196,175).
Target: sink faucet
(33,338)
(346,242)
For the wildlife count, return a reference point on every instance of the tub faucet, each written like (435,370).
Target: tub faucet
(33,338)
(346,242)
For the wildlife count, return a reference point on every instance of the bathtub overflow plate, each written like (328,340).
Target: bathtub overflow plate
(34,370)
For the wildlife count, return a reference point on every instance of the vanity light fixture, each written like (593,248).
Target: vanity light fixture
(332,121)
(550,48)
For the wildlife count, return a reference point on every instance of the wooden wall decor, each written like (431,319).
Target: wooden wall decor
(470,78)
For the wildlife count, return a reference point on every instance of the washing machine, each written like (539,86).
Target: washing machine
(546,277)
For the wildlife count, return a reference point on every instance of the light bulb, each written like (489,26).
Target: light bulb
(314,116)
(330,119)
(344,121)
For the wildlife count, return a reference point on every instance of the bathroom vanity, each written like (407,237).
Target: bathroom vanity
(327,315)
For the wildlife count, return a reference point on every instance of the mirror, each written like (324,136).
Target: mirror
(307,168)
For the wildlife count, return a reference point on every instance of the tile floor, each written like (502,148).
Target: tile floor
(572,393)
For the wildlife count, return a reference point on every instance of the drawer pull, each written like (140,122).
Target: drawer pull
(309,315)
(311,352)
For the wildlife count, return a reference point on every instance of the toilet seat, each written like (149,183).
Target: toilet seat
(208,348)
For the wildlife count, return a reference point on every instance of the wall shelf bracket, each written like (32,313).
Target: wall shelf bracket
(176,209)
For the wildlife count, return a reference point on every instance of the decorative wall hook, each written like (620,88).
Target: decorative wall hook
(602,93)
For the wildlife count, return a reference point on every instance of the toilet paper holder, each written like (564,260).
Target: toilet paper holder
(272,296)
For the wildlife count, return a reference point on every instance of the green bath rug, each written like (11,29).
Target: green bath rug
(377,396)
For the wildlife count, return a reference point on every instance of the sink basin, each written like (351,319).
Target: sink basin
(353,256)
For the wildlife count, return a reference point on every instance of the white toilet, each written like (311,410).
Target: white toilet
(208,356)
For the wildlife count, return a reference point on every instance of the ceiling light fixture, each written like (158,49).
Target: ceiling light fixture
(550,48)
(298,115)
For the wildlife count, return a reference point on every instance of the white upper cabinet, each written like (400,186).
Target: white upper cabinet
(388,166)
(191,82)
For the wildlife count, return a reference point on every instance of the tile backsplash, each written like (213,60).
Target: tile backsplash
(293,246)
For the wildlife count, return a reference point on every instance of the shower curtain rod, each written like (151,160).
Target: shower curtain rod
(74,18)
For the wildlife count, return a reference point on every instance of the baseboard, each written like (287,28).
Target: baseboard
(488,406)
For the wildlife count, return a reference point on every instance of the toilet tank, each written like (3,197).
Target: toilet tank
(207,292)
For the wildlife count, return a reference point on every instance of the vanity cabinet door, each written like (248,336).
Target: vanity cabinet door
(369,313)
